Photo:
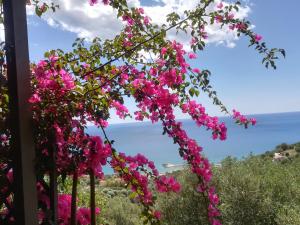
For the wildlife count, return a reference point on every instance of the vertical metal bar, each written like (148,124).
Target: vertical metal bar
(74,198)
(53,180)
(92,197)
(25,195)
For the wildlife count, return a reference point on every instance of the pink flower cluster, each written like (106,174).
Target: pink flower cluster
(132,19)
(51,78)
(220,5)
(258,37)
(191,152)
(93,2)
(121,110)
(134,171)
(63,206)
(83,215)
(156,102)
(4,140)
(243,120)
(92,153)
(96,154)
(167,184)
(126,167)
(159,105)
(197,112)
(170,77)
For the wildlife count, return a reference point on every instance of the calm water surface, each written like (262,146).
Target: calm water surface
(147,138)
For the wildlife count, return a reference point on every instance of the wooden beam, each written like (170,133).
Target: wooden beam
(16,38)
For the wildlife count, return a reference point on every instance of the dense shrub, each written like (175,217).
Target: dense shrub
(254,191)
(297,148)
(257,191)
(188,207)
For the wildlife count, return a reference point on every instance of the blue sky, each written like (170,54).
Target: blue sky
(237,73)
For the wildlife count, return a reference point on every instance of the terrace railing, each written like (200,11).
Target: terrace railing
(18,73)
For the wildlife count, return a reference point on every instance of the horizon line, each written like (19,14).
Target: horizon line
(225,116)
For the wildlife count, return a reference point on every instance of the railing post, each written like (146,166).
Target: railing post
(17,56)
(74,198)
(53,178)
(92,197)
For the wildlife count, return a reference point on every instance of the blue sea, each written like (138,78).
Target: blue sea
(147,138)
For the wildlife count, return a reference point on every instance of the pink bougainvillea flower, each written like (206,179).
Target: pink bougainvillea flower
(196,70)
(220,5)
(258,37)
(35,98)
(193,41)
(146,20)
(93,2)
(192,55)
(253,121)
(219,18)
(230,16)
(163,51)
(157,214)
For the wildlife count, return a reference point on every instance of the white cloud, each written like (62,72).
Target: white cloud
(90,21)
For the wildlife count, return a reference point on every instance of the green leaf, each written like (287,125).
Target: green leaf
(38,12)
(133,195)
(192,92)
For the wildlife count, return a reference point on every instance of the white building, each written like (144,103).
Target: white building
(278,157)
